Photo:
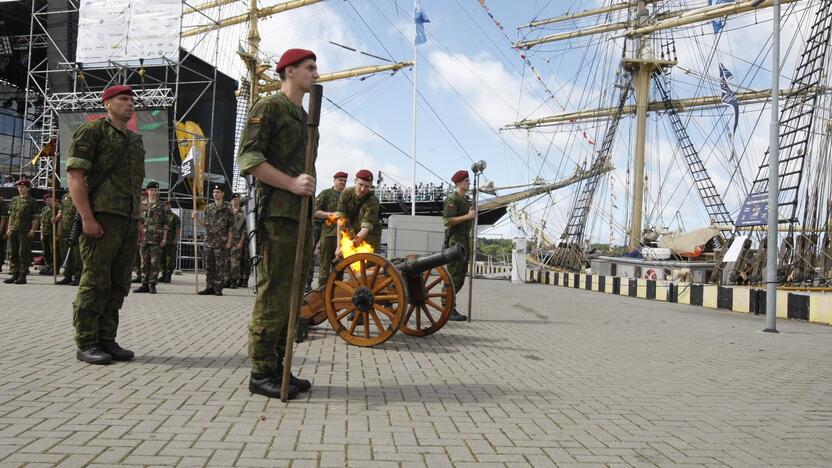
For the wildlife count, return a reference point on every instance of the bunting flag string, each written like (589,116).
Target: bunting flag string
(528,64)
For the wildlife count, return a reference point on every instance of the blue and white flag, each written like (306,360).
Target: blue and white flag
(718,24)
(729,97)
(420,18)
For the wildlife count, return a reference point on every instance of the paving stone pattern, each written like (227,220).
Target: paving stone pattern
(542,377)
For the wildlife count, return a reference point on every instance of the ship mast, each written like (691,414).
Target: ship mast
(642,63)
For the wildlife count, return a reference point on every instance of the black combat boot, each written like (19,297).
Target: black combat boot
(117,352)
(218,291)
(269,385)
(21,279)
(208,291)
(66,280)
(93,354)
(10,280)
(76,280)
(142,289)
(302,385)
(232,284)
(152,287)
(166,277)
(137,280)
(456,316)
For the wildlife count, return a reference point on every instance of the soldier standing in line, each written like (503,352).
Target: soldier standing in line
(458,217)
(325,207)
(239,250)
(105,169)
(360,206)
(273,151)
(174,227)
(137,260)
(21,230)
(48,218)
(4,221)
(72,270)
(218,222)
(155,239)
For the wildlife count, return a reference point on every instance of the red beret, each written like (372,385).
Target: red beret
(459,176)
(293,56)
(114,91)
(364,174)
(24,182)
(340,175)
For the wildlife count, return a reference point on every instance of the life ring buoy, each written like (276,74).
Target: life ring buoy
(650,274)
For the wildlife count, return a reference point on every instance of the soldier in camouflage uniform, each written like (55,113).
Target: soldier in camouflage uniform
(174,226)
(72,270)
(238,257)
(4,221)
(458,217)
(21,230)
(360,207)
(325,207)
(218,222)
(137,260)
(48,219)
(105,169)
(155,239)
(273,150)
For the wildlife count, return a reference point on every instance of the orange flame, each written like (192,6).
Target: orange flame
(333,218)
(348,249)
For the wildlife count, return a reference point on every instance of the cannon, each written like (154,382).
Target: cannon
(368,298)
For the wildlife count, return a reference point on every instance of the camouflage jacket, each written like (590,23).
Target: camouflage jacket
(218,221)
(275,133)
(362,213)
(21,213)
(154,217)
(173,223)
(456,205)
(114,164)
(67,213)
(46,221)
(238,227)
(328,201)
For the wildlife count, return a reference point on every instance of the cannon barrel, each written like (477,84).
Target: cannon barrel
(416,265)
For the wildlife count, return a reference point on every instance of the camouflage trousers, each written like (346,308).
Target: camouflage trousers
(2,248)
(137,263)
(238,260)
(169,257)
(270,318)
(327,254)
(216,267)
(73,265)
(20,253)
(151,255)
(458,271)
(48,254)
(105,279)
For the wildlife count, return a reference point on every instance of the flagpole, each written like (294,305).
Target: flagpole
(773,178)
(413,168)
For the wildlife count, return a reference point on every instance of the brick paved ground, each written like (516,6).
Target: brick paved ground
(544,376)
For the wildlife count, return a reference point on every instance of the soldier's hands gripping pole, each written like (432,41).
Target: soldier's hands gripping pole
(313,117)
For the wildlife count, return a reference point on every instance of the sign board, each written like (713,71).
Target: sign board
(754,211)
(124,31)
(733,253)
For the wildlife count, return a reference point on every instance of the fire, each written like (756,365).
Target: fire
(348,249)
(333,218)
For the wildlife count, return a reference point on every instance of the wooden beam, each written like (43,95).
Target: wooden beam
(340,75)
(261,13)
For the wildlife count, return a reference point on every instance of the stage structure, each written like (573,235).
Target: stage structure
(119,42)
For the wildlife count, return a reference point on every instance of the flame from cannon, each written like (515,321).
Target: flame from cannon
(347,249)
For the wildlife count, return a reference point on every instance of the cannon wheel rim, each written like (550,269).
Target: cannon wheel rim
(356,332)
(416,316)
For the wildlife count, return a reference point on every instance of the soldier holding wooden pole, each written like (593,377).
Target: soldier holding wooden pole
(273,150)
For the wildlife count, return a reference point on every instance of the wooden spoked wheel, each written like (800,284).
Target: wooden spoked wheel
(425,317)
(365,307)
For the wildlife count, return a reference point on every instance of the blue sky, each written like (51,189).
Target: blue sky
(475,83)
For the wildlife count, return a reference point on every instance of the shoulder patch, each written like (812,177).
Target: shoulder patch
(254,120)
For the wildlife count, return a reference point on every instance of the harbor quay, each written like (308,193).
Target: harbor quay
(541,376)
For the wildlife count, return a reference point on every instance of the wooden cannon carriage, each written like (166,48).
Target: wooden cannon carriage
(368,298)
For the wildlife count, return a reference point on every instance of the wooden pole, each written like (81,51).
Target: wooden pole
(52,222)
(313,118)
